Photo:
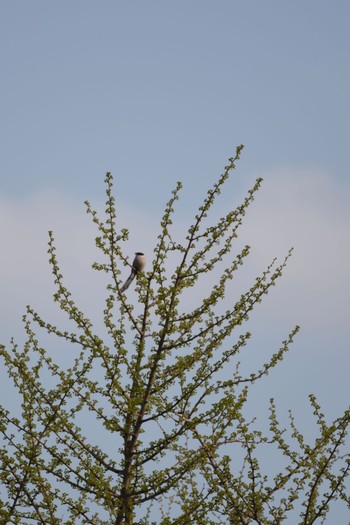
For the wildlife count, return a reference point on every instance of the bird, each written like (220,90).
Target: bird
(137,266)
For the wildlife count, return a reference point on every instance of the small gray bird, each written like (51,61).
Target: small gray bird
(137,266)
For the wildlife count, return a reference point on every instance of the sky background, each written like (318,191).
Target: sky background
(161,91)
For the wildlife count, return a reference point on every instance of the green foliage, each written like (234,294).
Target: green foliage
(173,443)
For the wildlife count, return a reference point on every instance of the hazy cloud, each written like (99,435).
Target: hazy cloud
(304,209)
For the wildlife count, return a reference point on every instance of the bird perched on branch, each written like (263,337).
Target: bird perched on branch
(137,266)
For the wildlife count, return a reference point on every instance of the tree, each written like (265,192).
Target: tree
(144,425)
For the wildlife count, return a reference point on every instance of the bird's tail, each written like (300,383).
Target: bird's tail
(128,281)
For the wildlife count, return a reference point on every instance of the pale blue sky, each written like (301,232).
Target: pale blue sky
(157,91)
